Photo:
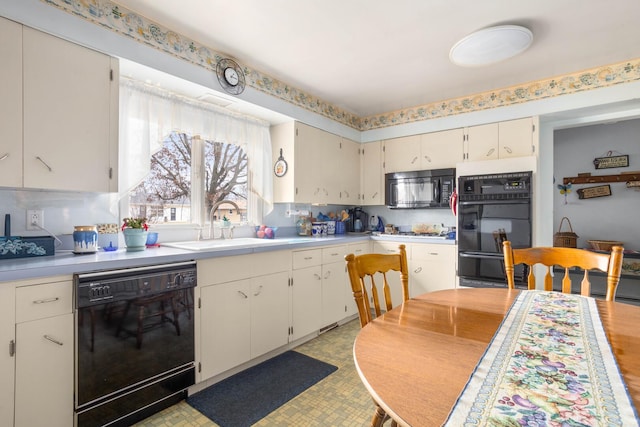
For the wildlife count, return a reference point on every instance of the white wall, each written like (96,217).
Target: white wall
(612,217)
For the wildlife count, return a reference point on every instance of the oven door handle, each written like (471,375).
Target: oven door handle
(494,202)
(488,255)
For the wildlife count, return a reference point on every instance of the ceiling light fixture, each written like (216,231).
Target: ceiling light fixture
(491,45)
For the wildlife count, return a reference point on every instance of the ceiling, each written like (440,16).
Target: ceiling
(372,57)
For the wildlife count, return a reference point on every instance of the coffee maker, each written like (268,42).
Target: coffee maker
(358,220)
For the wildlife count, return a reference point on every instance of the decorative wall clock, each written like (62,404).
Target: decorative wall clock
(230,76)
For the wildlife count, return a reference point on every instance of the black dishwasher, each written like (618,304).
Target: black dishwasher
(134,342)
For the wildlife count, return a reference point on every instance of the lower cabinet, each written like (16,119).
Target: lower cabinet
(245,318)
(306,293)
(7,356)
(44,354)
(44,372)
(432,267)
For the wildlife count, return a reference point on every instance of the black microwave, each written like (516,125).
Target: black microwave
(419,189)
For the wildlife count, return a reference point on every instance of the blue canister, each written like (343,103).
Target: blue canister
(85,239)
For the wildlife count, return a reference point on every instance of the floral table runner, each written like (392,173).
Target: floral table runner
(549,364)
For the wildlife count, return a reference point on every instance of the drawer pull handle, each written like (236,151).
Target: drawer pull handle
(53,340)
(335,254)
(243,294)
(258,292)
(43,162)
(44,301)
(307,258)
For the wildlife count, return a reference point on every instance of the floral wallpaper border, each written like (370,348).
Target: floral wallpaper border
(114,17)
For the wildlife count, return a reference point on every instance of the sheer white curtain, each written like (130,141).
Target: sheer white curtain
(148,114)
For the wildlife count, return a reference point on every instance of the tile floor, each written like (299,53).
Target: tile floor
(338,400)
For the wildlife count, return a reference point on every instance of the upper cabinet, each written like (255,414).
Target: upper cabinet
(440,150)
(436,150)
(372,176)
(11,105)
(60,119)
(402,154)
(514,138)
(323,168)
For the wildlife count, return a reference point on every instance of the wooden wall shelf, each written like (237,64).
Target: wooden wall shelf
(591,179)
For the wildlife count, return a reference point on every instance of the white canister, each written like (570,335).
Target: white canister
(316,229)
(331,228)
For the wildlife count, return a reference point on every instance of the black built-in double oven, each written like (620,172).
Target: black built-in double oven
(492,208)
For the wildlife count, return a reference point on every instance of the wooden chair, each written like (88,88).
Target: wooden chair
(565,258)
(366,266)
(363,266)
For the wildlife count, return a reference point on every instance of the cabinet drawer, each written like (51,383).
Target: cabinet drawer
(224,269)
(271,262)
(359,248)
(333,254)
(426,251)
(42,301)
(387,247)
(302,259)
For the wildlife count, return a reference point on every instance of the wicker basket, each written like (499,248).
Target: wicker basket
(604,245)
(565,239)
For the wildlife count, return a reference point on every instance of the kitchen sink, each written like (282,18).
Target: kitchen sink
(207,245)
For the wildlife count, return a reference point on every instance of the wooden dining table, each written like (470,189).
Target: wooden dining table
(416,359)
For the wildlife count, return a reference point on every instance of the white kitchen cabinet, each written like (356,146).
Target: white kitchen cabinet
(44,372)
(70,115)
(432,267)
(306,293)
(372,175)
(269,312)
(440,150)
(402,154)
(225,326)
(244,309)
(11,106)
(514,138)
(44,362)
(313,159)
(347,176)
(333,283)
(7,347)
(481,142)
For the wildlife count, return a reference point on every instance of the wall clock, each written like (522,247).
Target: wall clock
(230,76)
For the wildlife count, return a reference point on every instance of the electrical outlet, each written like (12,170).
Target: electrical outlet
(35,219)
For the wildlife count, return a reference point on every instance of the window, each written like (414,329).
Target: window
(170,192)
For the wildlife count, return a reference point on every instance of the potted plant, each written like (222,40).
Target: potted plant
(135,233)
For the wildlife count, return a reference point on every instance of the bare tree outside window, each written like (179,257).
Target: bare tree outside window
(165,196)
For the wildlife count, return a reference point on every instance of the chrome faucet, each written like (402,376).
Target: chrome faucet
(214,208)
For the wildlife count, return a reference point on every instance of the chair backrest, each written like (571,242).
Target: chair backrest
(565,258)
(362,270)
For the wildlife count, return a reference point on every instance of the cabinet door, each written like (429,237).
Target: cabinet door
(44,372)
(402,154)
(225,326)
(441,150)
(67,115)
(516,138)
(372,183)
(11,105)
(269,313)
(306,297)
(482,142)
(431,267)
(7,360)
(309,145)
(348,173)
(333,296)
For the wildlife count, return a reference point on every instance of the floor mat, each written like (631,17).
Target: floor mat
(250,395)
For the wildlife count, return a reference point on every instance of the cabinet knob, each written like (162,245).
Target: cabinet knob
(508,149)
(44,163)
(243,294)
(4,156)
(490,152)
(417,270)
